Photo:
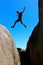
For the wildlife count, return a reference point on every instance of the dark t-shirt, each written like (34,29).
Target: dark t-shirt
(20,16)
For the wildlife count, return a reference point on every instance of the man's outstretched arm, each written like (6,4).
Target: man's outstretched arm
(23,10)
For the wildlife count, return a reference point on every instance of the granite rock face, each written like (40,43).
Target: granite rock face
(35,43)
(8,52)
(32,47)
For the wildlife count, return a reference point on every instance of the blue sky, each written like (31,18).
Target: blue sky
(8,15)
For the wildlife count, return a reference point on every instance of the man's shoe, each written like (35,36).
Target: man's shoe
(12,26)
(25,26)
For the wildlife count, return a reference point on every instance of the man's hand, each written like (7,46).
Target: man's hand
(24,8)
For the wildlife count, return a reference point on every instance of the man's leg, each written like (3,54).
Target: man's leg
(14,23)
(23,24)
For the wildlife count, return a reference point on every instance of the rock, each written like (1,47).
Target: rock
(9,54)
(33,38)
(40,37)
(19,49)
(35,42)
(24,57)
(32,46)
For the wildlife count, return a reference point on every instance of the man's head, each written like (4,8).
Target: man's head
(17,11)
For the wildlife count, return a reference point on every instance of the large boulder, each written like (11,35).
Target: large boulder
(8,52)
(35,42)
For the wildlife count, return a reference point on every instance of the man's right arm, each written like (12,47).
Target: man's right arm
(23,10)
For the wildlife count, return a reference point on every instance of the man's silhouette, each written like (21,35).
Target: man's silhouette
(19,18)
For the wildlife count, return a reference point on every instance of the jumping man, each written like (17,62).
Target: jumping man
(19,18)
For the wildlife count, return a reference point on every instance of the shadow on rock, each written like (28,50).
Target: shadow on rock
(24,57)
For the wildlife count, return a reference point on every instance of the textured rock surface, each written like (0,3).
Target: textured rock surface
(35,43)
(8,53)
